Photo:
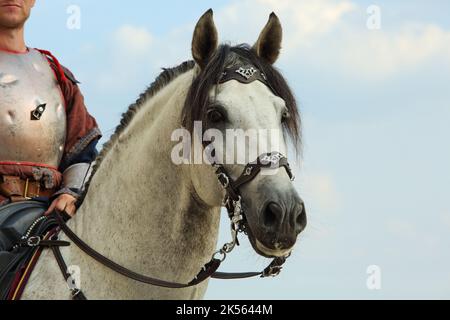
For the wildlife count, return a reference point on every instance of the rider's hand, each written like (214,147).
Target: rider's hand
(64,203)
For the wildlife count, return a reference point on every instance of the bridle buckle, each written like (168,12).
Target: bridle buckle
(34,242)
(224,180)
(272,271)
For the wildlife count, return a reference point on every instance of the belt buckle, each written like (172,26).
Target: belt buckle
(25,193)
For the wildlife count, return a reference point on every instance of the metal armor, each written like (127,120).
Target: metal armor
(32,112)
(76,176)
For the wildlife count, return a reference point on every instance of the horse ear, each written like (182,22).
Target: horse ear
(205,40)
(268,45)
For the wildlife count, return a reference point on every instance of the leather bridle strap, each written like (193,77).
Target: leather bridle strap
(273,269)
(252,170)
(77,294)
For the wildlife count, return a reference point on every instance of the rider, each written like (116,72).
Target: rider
(47,137)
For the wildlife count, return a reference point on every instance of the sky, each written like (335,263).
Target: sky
(375,105)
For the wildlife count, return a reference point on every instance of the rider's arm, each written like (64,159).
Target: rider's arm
(83,135)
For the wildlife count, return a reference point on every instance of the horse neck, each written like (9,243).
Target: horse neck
(140,203)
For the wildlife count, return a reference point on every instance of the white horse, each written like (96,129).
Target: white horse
(161,219)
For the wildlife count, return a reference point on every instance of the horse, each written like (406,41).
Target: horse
(158,218)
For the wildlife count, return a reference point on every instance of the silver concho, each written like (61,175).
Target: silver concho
(247,73)
(32,113)
(271,158)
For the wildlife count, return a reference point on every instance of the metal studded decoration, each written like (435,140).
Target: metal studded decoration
(247,73)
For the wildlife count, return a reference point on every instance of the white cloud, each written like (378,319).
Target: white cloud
(383,53)
(135,50)
(333,35)
(302,20)
(133,40)
(324,34)
(129,58)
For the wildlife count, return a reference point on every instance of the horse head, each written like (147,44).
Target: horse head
(238,90)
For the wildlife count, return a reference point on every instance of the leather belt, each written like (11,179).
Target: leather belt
(17,189)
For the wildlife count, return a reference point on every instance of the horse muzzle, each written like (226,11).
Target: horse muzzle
(275,225)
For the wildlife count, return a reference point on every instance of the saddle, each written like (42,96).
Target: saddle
(18,221)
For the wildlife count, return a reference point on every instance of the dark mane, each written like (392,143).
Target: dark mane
(197,100)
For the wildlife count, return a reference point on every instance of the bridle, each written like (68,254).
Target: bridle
(232,202)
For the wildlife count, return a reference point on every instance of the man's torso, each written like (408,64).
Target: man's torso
(27,82)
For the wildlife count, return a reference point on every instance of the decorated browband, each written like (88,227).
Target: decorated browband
(245,74)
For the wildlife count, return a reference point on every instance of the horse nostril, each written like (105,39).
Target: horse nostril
(301,220)
(273,215)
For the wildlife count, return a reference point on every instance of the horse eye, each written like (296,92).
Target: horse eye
(216,116)
(286,115)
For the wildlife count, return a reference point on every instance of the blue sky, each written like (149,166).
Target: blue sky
(376,109)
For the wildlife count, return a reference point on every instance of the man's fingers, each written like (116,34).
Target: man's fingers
(51,208)
(61,206)
(70,209)
(64,203)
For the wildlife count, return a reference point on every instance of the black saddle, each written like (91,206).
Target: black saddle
(16,220)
